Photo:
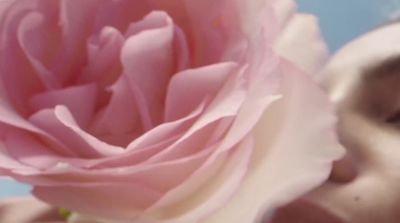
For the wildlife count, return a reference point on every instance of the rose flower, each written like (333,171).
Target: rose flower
(173,111)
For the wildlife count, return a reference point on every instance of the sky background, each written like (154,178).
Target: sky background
(340,21)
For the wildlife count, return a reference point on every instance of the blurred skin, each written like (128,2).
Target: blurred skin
(363,79)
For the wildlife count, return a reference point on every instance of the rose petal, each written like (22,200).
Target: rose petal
(189,88)
(103,58)
(120,116)
(4,5)
(9,116)
(133,157)
(8,163)
(27,210)
(26,149)
(217,179)
(119,14)
(287,162)
(147,58)
(17,76)
(76,21)
(151,142)
(284,10)
(80,100)
(127,200)
(207,36)
(158,19)
(226,104)
(61,124)
(35,28)
(65,117)
(198,143)
(166,130)
(302,44)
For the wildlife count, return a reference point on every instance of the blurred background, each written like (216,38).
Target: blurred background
(340,21)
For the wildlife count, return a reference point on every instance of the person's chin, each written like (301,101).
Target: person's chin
(305,211)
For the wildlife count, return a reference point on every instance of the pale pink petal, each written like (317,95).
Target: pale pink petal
(27,210)
(207,35)
(132,157)
(191,87)
(177,10)
(147,59)
(110,200)
(182,54)
(198,143)
(226,104)
(217,180)
(4,5)
(76,21)
(153,20)
(151,142)
(103,58)
(284,10)
(295,147)
(80,100)
(166,130)
(161,176)
(29,151)
(9,164)
(35,28)
(120,117)
(302,44)
(119,14)
(215,177)
(9,116)
(17,76)
(256,15)
(63,114)
(60,123)
(261,94)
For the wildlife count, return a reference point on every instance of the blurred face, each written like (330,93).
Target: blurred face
(363,79)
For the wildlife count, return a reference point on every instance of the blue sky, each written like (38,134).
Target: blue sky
(342,20)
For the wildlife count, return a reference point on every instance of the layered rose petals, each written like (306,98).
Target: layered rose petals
(162,111)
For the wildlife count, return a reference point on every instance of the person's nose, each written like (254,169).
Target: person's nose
(344,170)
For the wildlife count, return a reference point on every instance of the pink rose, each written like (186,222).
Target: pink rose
(163,110)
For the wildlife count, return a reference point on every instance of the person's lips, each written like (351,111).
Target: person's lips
(303,211)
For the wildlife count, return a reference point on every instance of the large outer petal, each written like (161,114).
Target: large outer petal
(27,210)
(302,44)
(295,147)
(4,4)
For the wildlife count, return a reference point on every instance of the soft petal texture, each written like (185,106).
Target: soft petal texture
(80,100)
(148,111)
(285,10)
(182,98)
(301,43)
(286,162)
(27,210)
(147,59)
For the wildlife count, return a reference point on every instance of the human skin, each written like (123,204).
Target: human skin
(362,79)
